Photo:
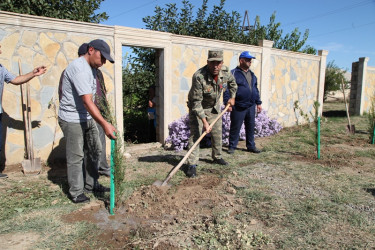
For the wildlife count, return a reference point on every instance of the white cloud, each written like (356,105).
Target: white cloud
(333,46)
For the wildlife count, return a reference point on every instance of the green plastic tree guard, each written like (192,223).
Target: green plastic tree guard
(112,186)
(318,136)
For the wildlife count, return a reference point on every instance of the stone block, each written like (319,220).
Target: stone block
(29,38)
(8,45)
(49,47)
(61,37)
(190,70)
(61,61)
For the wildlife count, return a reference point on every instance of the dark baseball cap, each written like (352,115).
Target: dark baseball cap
(83,49)
(103,47)
(215,55)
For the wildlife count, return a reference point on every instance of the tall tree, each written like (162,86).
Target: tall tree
(222,25)
(78,10)
(334,77)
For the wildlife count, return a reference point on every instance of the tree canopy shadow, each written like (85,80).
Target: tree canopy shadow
(334,113)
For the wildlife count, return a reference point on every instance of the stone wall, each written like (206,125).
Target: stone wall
(287,77)
(53,43)
(362,87)
(283,76)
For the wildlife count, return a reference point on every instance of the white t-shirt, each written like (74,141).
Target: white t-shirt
(78,79)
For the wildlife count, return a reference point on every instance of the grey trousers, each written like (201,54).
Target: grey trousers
(80,138)
(103,164)
(196,128)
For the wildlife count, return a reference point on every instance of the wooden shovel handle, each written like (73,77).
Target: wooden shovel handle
(25,116)
(346,104)
(175,169)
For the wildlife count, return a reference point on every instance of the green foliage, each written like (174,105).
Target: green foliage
(334,78)
(78,10)
(222,25)
(312,138)
(118,157)
(138,76)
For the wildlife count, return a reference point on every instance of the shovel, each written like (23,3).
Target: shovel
(349,128)
(31,165)
(175,169)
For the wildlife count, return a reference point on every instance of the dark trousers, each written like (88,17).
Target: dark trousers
(237,117)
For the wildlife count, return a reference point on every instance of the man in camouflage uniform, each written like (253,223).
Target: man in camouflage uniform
(204,106)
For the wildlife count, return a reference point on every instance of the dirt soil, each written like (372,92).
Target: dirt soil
(165,217)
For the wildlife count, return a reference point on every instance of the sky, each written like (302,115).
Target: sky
(346,28)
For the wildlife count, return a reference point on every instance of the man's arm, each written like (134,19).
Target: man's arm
(232,89)
(90,106)
(195,101)
(258,102)
(25,78)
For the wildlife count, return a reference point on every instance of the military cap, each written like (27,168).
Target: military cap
(215,55)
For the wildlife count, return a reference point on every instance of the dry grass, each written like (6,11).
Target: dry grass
(282,198)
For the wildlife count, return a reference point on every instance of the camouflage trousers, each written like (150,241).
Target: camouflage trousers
(196,127)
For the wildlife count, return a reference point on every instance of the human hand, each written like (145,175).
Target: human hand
(39,70)
(150,104)
(259,108)
(110,131)
(231,101)
(206,126)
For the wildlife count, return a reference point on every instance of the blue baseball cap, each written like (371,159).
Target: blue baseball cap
(246,54)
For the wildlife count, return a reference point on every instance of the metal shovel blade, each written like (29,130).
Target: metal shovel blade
(159,183)
(31,167)
(350,129)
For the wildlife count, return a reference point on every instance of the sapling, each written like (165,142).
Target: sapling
(371,120)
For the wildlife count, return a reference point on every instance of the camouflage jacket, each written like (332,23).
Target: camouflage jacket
(204,94)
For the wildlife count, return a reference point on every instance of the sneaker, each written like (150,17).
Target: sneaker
(191,172)
(105,172)
(221,162)
(231,151)
(3,176)
(254,150)
(99,188)
(81,199)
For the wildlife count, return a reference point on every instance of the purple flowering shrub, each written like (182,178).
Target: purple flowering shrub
(179,130)
(264,126)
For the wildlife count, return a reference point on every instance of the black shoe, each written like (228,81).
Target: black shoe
(99,188)
(254,150)
(81,199)
(3,176)
(231,151)
(191,172)
(221,162)
(105,172)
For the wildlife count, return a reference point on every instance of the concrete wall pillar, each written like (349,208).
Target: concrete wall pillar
(357,88)
(322,74)
(362,70)
(265,75)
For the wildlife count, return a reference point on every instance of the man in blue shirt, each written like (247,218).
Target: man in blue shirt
(247,99)
(6,76)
